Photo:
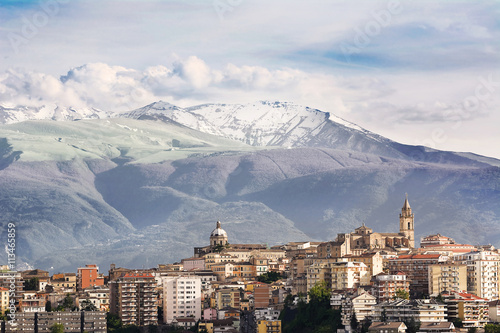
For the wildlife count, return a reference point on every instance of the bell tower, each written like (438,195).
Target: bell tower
(406,223)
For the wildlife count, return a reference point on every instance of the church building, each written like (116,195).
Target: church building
(218,236)
(364,239)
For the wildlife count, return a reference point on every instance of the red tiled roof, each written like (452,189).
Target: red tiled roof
(418,256)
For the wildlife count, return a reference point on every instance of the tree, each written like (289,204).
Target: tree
(412,325)
(87,305)
(491,328)
(365,324)
(57,328)
(113,322)
(320,293)
(457,322)
(48,306)
(160,314)
(403,294)
(383,316)
(472,330)
(218,248)
(31,284)
(269,277)
(354,321)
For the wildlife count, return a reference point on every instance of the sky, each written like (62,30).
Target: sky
(417,72)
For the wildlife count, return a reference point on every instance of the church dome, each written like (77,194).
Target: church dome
(218,231)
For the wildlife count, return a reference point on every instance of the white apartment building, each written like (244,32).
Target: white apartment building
(181,297)
(423,310)
(339,275)
(362,305)
(483,269)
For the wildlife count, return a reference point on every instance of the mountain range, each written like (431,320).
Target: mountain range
(144,187)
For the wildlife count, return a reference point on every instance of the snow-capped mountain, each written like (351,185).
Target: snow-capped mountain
(11,114)
(285,124)
(157,178)
(265,124)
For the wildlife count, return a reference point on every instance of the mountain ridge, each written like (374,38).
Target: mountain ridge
(147,187)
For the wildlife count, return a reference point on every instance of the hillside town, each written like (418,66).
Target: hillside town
(371,281)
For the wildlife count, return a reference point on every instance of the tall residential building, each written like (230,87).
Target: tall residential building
(447,276)
(386,285)
(262,295)
(471,309)
(7,278)
(415,266)
(181,297)
(88,276)
(227,298)
(4,299)
(133,299)
(483,270)
(338,275)
(361,305)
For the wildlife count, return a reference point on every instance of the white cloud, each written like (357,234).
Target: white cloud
(422,64)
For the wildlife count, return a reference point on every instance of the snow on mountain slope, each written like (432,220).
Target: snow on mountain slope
(140,141)
(271,124)
(10,114)
(289,125)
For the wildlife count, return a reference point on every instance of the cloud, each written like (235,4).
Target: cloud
(185,82)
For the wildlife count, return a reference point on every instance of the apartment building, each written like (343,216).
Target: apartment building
(362,305)
(4,299)
(227,298)
(88,276)
(423,310)
(471,309)
(262,295)
(372,260)
(268,326)
(74,322)
(385,285)
(338,275)
(483,270)
(31,302)
(133,299)
(447,276)
(181,297)
(415,266)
